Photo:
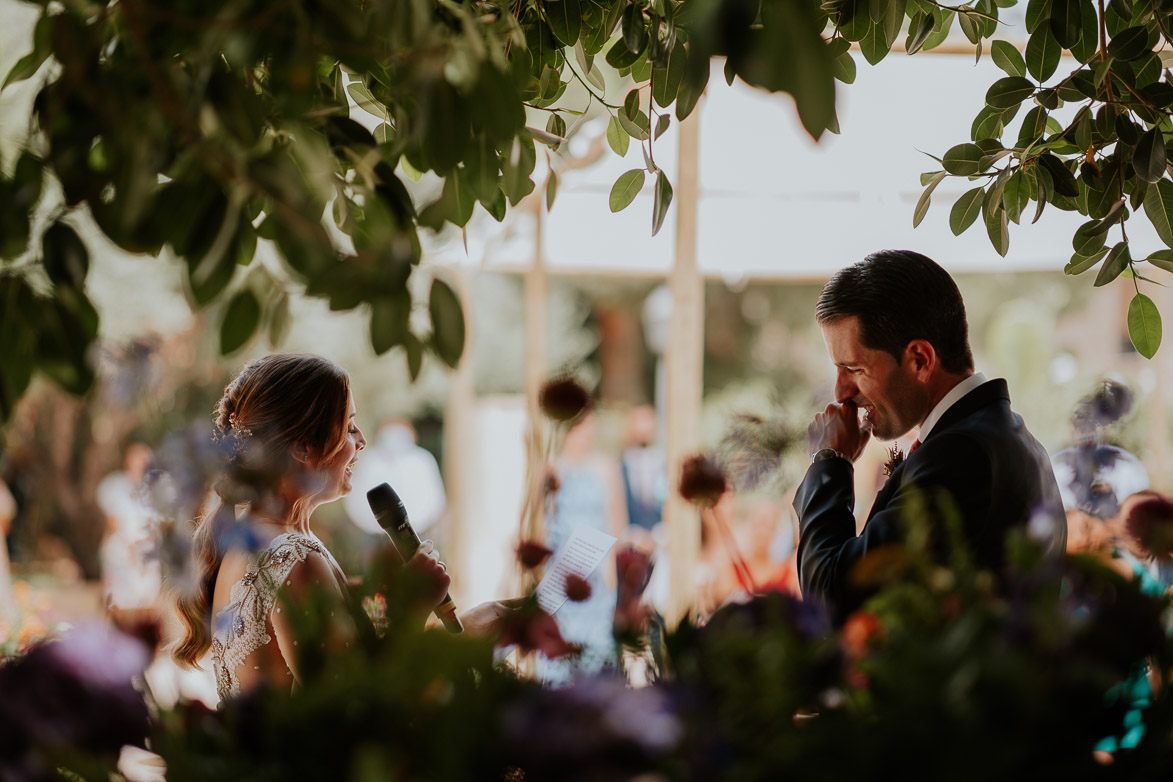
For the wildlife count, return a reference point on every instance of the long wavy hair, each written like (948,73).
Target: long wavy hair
(277,402)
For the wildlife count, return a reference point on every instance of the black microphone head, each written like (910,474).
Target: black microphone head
(386,506)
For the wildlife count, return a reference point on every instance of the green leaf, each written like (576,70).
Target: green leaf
(1131,43)
(971,26)
(919,29)
(1089,239)
(662,124)
(1017,195)
(42,47)
(1144,325)
(617,137)
(635,125)
(1117,261)
(1162,259)
(1008,58)
(965,211)
(661,202)
(1061,177)
(987,124)
(551,189)
(1080,264)
(626,188)
(635,29)
(241,319)
(1037,12)
(557,127)
(365,100)
(64,256)
(1042,54)
(455,205)
(1148,159)
(1089,38)
(565,20)
(447,322)
(1065,22)
(963,159)
(1009,91)
(997,229)
(922,204)
(516,167)
(879,28)
(1158,207)
(389,322)
(843,65)
(666,81)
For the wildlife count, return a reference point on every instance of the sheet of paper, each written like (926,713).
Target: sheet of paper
(580,555)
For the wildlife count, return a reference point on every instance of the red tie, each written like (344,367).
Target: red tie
(915,445)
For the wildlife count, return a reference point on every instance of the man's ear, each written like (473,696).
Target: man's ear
(920,356)
(301,452)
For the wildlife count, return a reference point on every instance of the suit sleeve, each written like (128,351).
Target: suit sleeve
(829,549)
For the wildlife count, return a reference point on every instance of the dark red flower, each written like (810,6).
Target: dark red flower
(633,570)
(702,481)
(531,554)
(563,399)
(532,629)
(578,588)
(1150,523)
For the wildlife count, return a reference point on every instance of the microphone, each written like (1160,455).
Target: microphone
(392,517)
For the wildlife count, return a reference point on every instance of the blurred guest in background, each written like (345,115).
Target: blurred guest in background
(768,546)
(131,577)
(715,575)
(645,475)
(1095,477)
(590,494)
(1142,541)
(397,458)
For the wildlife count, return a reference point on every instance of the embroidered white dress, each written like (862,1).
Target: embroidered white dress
(242,627)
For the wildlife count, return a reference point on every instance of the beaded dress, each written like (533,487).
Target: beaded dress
(242,627)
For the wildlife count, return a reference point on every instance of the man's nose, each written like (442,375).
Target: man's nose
(845,388)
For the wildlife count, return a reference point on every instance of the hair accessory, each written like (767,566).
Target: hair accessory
(238,429)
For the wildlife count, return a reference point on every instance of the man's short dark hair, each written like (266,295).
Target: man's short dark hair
(899,296)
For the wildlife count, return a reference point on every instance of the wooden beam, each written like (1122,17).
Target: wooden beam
(684,365)
(458,423)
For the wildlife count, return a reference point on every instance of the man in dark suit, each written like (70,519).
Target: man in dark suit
(895,328)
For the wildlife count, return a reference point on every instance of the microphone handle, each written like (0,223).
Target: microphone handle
(404,536)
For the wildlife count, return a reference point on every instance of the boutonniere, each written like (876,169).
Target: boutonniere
(895,458)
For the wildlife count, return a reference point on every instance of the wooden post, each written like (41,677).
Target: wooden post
(684,361)
(1158,444)
(458,421)
(537,287)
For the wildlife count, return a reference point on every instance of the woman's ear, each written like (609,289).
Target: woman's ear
(300,452)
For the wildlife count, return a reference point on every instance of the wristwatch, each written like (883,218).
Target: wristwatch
(823,454)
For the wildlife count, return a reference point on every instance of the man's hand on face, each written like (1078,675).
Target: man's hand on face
(838,427)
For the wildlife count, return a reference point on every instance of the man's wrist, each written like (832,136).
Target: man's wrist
(823,454)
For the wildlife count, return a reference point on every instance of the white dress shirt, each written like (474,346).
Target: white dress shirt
(955,394)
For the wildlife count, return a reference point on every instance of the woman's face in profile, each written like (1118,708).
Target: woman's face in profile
(338,470)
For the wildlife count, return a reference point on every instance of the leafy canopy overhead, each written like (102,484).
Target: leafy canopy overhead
(202,129)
